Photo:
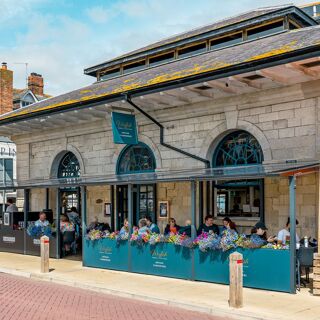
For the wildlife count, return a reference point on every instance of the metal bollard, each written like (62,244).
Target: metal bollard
(44,253)
(236,280)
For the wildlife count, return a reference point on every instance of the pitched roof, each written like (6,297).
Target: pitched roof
(234,22)
(211,63)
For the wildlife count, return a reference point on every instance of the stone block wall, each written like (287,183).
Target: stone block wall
(285,121)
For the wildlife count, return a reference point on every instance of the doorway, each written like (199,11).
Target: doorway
(70,224)
(144,200)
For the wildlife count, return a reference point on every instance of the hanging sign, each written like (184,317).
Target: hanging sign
(124,128)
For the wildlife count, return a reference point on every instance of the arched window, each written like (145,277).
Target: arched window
(135,159)
(238,148)
(69,166)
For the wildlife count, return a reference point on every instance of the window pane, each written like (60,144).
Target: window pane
(153,61)
(226,41)
(186,52)
(110,74)
(134,66)
(265,30)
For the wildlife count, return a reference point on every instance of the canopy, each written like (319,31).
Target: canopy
(288,168)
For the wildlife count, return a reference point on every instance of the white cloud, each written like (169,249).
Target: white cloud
(99,14)
(59,46)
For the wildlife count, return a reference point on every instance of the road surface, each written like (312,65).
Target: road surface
(27,299)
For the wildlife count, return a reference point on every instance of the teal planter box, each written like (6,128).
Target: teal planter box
(162,259)
(106,254)
(262,268)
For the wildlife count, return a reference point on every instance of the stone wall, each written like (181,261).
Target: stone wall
(285,121)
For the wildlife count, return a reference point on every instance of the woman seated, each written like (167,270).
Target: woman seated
(125,228)
(259,236)
(143,227)
(65,224)
(228,224)
(171,227)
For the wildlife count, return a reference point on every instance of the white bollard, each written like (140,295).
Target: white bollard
(44,253)
(236,280)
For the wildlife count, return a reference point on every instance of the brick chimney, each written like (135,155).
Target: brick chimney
(35,83)
(6,89)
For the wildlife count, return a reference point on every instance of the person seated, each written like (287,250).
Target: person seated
(284,234)
(152,226)
(208,226)
(125,229)
(171,227)
(186,230)
(143,227)
(229,225)
(259,236)
(42,221)
(65,224)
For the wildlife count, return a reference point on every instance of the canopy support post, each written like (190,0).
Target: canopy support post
(130,220)
(58,208)
(47,199)
(83,191)
(112,208)
(292,199)
(26,208)
(193,221)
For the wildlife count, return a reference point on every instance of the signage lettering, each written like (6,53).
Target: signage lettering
(124,128)
(9,239)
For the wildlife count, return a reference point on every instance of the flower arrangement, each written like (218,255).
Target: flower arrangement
(38,231)
(95,234)
(180,239)
(207,241)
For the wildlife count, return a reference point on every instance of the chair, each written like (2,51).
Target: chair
(68,237)
(305,258)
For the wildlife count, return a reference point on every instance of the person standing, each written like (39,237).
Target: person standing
(11,206)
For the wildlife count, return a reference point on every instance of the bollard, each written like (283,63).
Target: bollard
(236,280)
(44,252)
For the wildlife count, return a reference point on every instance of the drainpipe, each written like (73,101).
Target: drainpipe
(205,161)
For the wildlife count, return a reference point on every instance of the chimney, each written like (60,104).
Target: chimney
(6,89)
(35,83)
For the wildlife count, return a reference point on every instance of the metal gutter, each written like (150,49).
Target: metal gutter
(300,54)
(205,161)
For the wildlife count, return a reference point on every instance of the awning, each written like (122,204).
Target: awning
(288,168)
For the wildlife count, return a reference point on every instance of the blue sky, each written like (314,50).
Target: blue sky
(59,38)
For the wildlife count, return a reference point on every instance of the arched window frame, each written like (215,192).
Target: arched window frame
(131,148)
(72,168)
(255,148)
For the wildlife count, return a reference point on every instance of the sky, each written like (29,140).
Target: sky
(59,38)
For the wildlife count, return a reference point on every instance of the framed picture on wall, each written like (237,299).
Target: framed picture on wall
(163,209)
(107,209)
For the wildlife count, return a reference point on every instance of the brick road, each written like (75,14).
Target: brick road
(26,299)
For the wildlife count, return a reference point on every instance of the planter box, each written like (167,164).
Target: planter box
(106,254)
(163,259)
(262,268)
(11,240)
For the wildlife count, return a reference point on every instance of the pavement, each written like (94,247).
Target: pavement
(53,301)
(192,295)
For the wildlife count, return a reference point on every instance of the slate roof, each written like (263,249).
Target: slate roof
(209,63)
(257,14)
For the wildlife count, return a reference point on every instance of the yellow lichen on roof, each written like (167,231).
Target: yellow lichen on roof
(286,48)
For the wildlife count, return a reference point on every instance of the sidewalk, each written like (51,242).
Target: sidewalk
(198,296)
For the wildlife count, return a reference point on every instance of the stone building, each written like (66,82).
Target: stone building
(238,94)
